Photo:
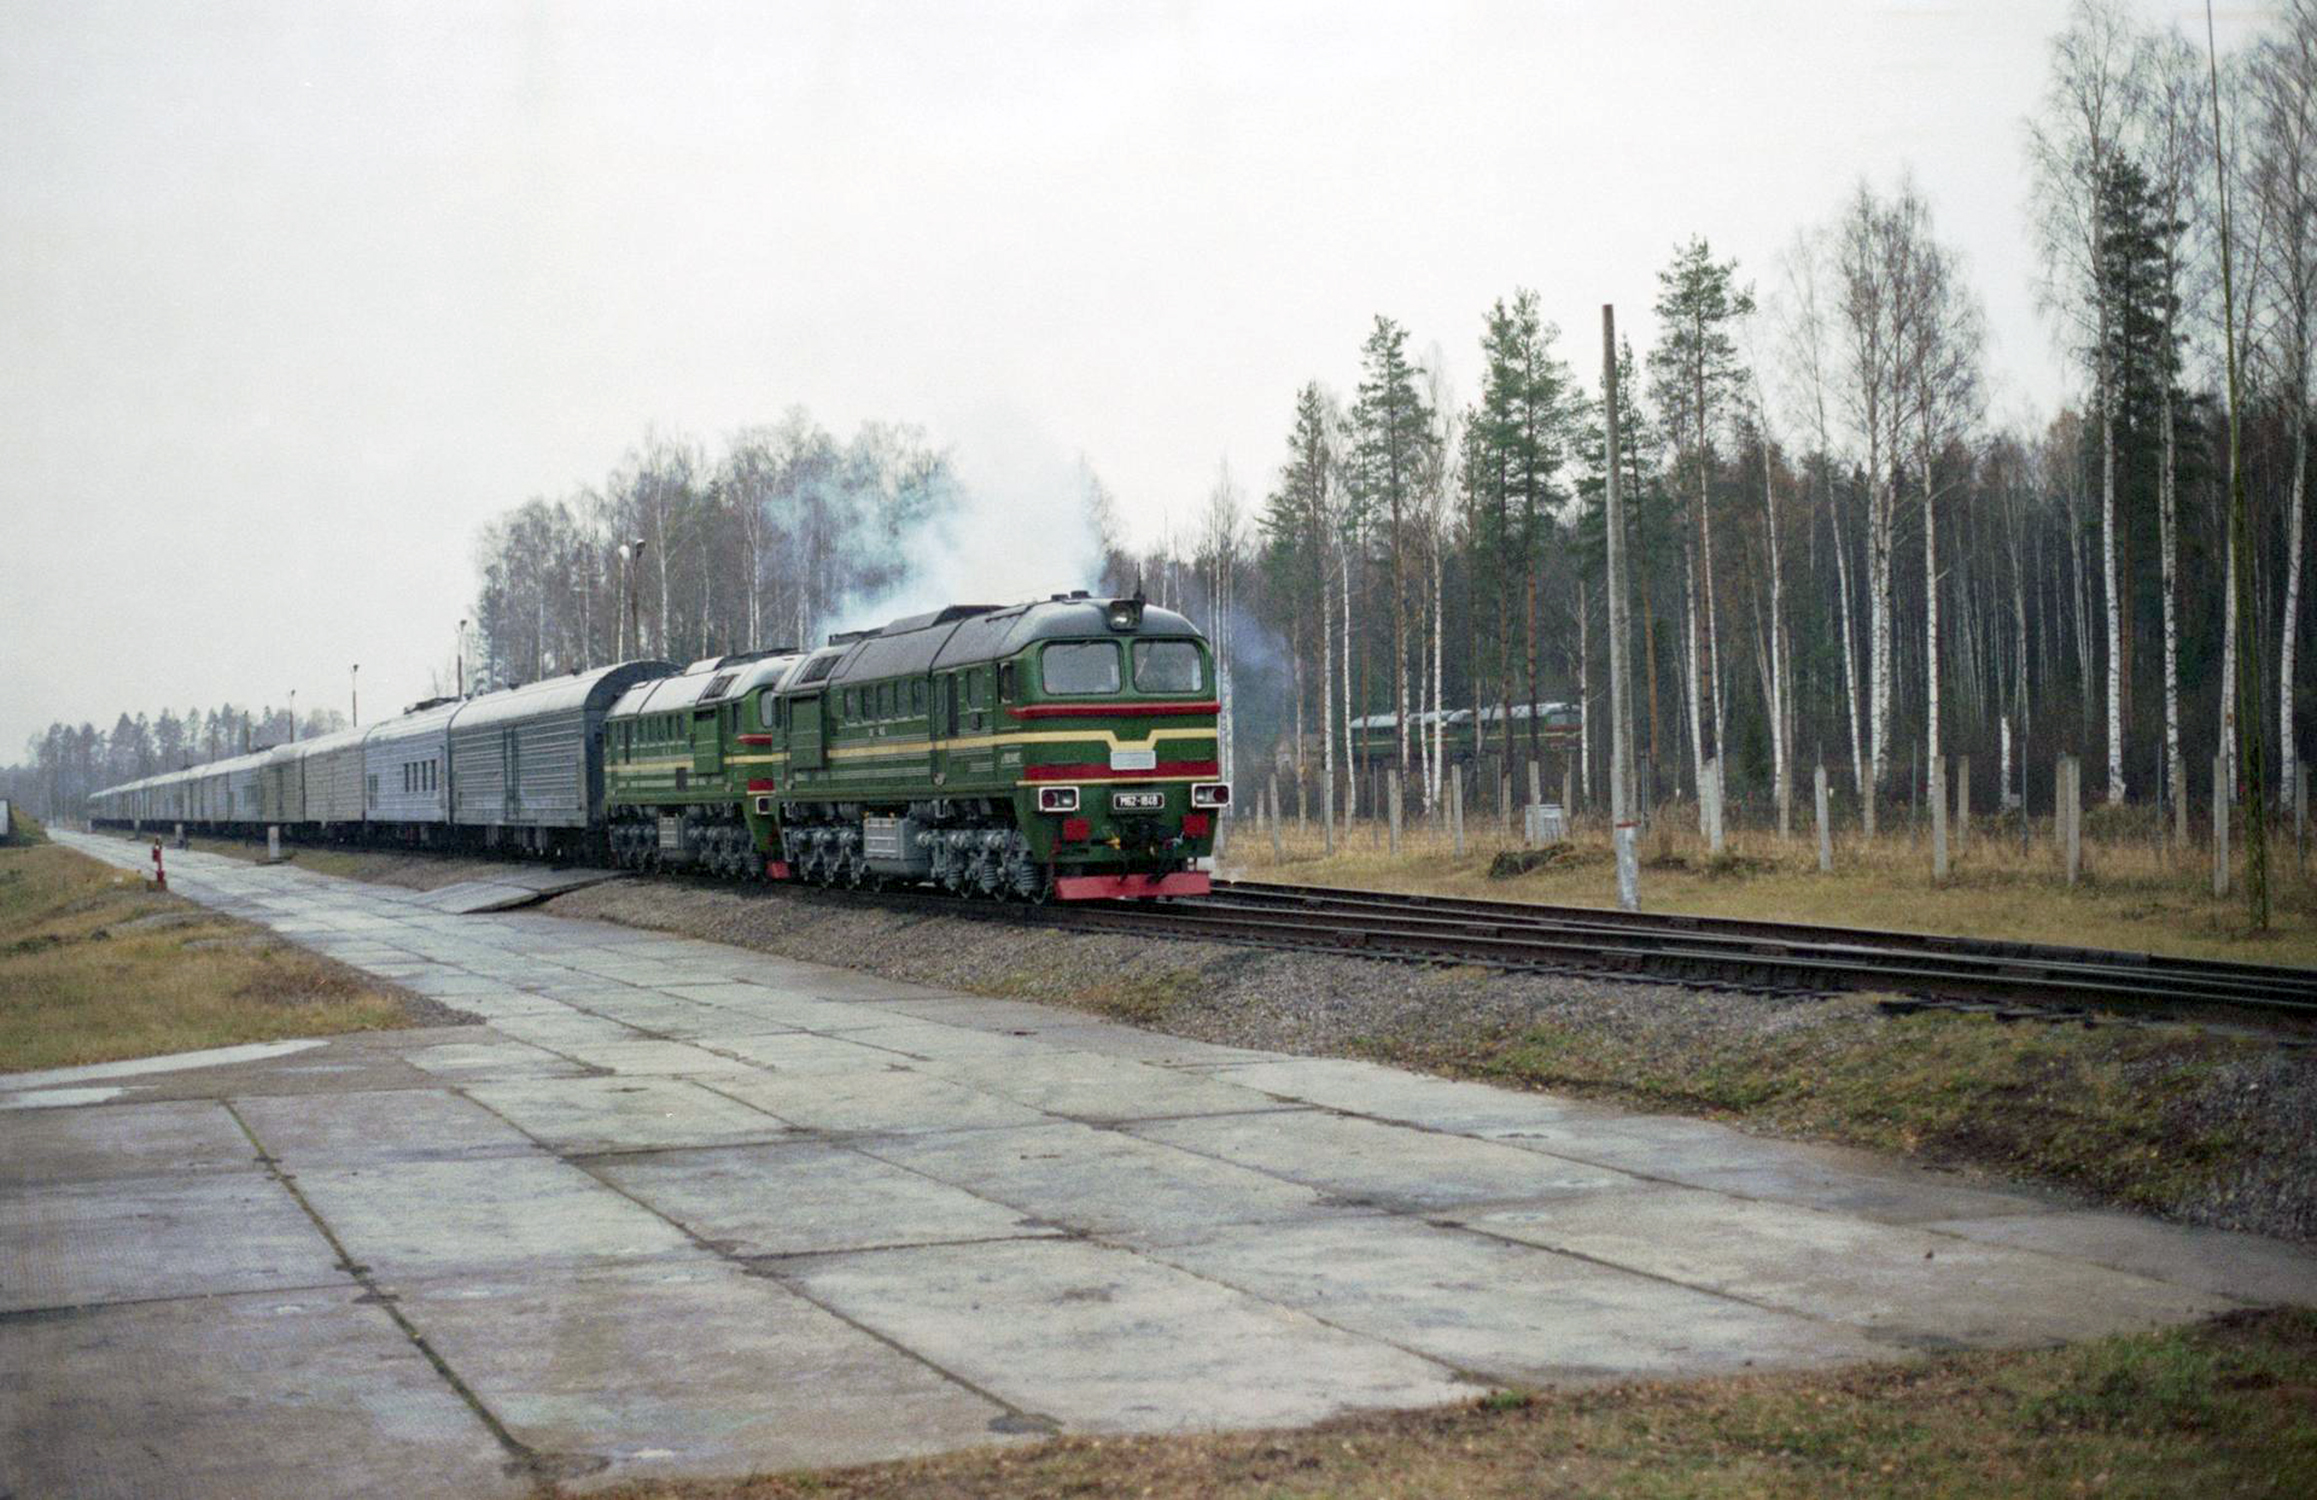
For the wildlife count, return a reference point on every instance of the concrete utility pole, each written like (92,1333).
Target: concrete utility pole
(460,656)
(1621,821)
(293,716)
(355,693)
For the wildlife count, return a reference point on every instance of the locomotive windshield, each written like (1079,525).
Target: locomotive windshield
(1166,667)
(1080,667)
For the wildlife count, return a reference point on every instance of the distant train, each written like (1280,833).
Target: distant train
(1064,748)
(1375,740)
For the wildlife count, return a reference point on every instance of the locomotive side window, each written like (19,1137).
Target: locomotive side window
(1005,682)
(884,700)
(917,696)
(1166,667)
(1080,667)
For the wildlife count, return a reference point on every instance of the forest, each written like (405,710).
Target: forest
(1839,553)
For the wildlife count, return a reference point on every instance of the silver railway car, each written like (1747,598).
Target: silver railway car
(527,763)
(281,784)
(333,770)
(406,781)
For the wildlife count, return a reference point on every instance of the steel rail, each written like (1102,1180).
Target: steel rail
(1849,958)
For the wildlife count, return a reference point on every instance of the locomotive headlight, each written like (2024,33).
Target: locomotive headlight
(1124,614)
(1211,794)
(1057,799)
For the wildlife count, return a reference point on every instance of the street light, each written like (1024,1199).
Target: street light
(631,552)
(356,693)
(461,655)
(293,716)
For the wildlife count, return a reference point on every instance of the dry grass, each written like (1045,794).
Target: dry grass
(2135,894)
(2226,1408)
(96,966)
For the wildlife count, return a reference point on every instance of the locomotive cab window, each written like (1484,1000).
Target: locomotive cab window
(764,706)
(1079,667)
(1005,682)
(1166,667)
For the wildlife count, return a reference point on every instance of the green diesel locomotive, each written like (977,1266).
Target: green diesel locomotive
(1064,748)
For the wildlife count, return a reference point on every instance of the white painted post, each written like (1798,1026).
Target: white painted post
(1628,837)
(1273,796)
(1393,806)
(2301,811)
(1939,818)
(1711,791)
(1962,802)
(1536,782)
(273,843)
(2220,824)
(1825,828)
(2067,814)
(1569,790)
(1456,809)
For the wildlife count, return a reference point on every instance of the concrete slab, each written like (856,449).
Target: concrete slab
(2243,1267)
(1095,1086)
(1914,1288)
(635,1372)
(624,1113)
(1382,1093)
(634,1058)
(1508,1312)
(1104,1340)
(806,1197)
(277,1396)
(884,1100)
(1100,1181)
(414,1218)
(319,1130)
(933,1041)
(806,1052)
(129,1239)
(477,1062)
(1387,1166)
(127,1140)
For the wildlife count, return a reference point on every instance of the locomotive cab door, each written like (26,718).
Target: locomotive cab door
(941,726)
(707,744)
(804,733)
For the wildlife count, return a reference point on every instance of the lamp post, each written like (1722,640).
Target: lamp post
(462,659)
(293,716)
(631,552)
(355,693)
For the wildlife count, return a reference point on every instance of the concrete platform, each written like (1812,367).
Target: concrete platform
(680,1209)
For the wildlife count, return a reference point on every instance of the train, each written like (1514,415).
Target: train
(1060,749)
(1465,734)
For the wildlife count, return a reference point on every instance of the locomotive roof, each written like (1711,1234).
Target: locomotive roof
(964,634)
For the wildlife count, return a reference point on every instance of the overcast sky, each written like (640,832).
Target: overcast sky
(293,297)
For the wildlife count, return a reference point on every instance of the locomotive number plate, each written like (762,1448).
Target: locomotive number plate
(1134,760)
(1137,801)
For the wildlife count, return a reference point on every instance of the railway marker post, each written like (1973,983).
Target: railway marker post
(1273,794)
(1825,829)
(2220,824)
(1456,810)
(1962,802)
(1392,808)
(1939,818)
(1536,782)
(2067,814)
(1710,795)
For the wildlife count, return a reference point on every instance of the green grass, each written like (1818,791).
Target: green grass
(95,965)
(2228,1407)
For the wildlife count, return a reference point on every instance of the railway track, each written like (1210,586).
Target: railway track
(1787,958)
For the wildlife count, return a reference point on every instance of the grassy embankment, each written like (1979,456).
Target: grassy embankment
(2222,1408)
(96,966)
(2135,893)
